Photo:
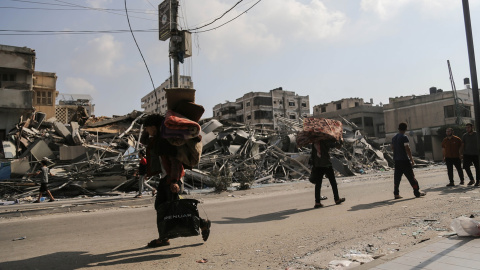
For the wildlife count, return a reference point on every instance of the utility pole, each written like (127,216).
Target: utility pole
(175,40)
(473,67)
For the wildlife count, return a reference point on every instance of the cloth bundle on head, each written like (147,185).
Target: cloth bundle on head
(178,126)
(318,129)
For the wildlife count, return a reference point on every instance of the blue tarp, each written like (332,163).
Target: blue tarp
(5,170)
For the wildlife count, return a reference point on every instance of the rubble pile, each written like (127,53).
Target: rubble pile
(100,156)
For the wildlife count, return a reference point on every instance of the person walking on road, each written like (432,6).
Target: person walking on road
(141,172)
(322,165)
(45,171)
(470,154)
(402,155)
(160,160)
(451,149)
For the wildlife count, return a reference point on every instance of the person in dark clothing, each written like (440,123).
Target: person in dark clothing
(402,155)
(323,166)
(160,156)
(451,149)
(141,172)
(470,154)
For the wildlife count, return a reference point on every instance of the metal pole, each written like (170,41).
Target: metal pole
(174,43)
(473,68)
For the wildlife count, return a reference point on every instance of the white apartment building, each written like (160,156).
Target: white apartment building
(156,102)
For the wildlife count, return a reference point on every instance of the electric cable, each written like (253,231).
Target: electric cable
(4,32)
(140,51)
(216,18)
(229,20)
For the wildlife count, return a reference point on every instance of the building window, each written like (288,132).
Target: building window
(263,115)
(292,116)
(339,106)
(262,101)
(44,98)
(368,122)
(316,109)
(323,109)
(381,128)
(280,102)
(291,103)
(449,111)
(357,104)
(8,77)
(304,104)
(463,111)
(249,117)
(248,104)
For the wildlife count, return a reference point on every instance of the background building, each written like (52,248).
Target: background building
(425,115)
(17,65)
(68,104)
(45,92)
(156,102)
(262,109)
(367,117)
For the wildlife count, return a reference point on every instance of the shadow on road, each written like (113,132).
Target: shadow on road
(262,218)
(451,190)
(378,204)
(81,259)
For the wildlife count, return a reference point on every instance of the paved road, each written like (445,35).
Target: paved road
(265,228)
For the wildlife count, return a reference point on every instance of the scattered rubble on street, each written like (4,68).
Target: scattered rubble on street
(98,156)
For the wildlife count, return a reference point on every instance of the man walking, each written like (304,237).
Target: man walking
(45,172)
(451,147)
(323,166)
(404,162)
(470,154)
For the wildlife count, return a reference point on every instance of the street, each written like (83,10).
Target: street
(272,227)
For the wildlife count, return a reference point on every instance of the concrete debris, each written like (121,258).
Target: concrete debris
(98,156)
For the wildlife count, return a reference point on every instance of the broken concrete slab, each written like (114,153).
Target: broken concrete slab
(9,149)
(71,152)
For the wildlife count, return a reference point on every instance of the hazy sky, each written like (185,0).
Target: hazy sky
(327,49)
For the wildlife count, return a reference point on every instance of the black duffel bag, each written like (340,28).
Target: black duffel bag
(179,218)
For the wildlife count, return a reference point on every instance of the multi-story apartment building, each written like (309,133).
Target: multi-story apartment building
(367,117)
(17,65)
(156,100)
(262,109)
(226,111)
(45,88)
(425,115)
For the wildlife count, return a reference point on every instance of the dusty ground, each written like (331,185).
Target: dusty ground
(272,227)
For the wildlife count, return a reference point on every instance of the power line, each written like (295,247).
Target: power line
(229,20)
(216,18)
(68,32)
(73,9)
(140,51)
(67,4)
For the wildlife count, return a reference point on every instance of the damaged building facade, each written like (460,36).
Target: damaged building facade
(366,116)
(156,101)
(70,106)
(45,88)
(425,115)
(17,65)
(262,110)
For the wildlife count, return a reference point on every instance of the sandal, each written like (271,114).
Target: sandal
(138,196)
(206,230)
(323,197)
(339,201)
(158,243)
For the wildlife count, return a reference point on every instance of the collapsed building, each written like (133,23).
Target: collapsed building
(100,156)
